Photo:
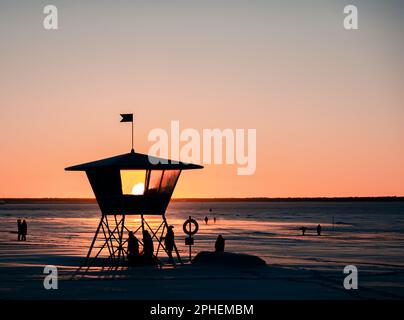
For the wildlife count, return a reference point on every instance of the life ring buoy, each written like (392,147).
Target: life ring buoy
(191,230)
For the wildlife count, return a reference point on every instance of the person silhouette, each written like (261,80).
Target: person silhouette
(169,242)
(319,230)
(133,249)
(206,220)
(24,229)
(19,229)
(219,244)
(214,219)
(148,247)
(303,230)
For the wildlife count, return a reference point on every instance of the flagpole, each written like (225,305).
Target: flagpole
(128,117)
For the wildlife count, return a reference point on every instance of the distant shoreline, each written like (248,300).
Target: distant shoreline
(250,199)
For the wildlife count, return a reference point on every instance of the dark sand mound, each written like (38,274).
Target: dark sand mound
(228,259)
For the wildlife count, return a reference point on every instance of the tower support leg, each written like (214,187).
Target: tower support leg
(95,238)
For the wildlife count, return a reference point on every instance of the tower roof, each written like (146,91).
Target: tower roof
(133,160)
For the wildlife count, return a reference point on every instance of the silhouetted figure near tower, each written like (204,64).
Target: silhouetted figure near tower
(133,249)
(169,242)
(219,245)
(148,247)
(206,220)
(303,229)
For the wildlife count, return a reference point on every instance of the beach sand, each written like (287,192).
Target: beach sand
(21,277)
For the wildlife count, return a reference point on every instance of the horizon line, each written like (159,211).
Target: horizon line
(223,199)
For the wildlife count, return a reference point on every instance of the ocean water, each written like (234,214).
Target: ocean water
(367,234)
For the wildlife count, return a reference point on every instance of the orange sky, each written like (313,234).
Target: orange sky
(327,103)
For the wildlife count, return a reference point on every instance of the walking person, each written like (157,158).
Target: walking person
(24,229)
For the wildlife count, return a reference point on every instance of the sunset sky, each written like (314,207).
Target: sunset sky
(327,103)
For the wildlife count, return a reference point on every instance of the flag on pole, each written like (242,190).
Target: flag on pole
(127,117)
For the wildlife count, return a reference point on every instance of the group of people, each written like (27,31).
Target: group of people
(147,256)
(207,219)
(318,229)
(22,229)
(134,256)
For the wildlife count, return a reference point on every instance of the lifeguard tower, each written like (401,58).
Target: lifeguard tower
(125,186)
